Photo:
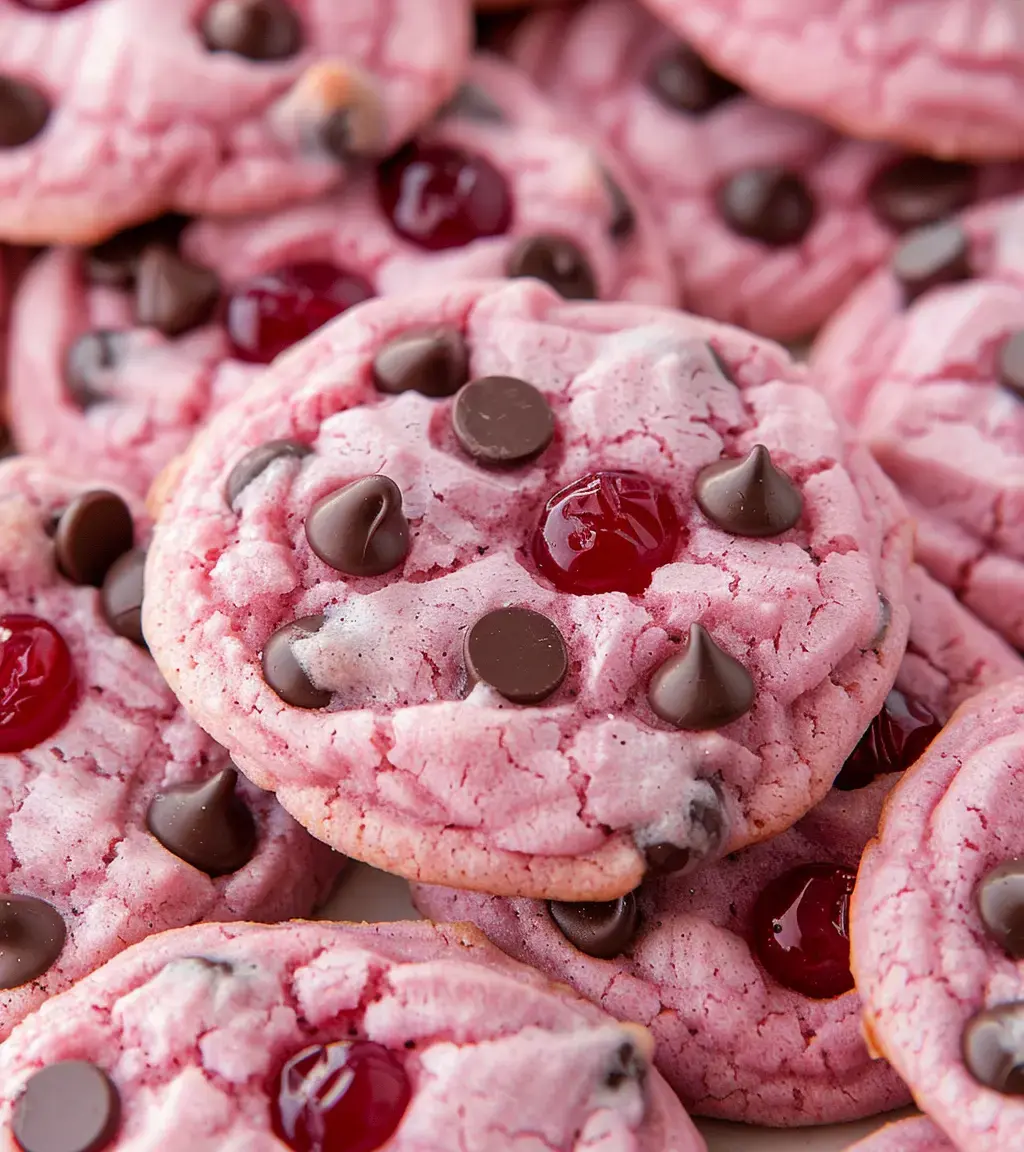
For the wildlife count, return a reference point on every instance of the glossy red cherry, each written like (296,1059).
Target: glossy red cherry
(38,686)
(607,532)
(897,737)
(344,1097)
(440,197)
(271,313)
(801,928)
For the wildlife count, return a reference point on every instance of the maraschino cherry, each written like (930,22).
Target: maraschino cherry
(38,686)
(897,737)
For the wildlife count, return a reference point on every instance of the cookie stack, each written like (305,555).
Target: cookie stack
(406,472)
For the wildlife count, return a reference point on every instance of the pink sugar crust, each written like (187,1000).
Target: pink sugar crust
(145,120)
(473,792)
(918,1134)
(942,76)
(920,385)
(732,1041)
(73,810)
(165,388)
(923,962)
(192,1048)
(595,60)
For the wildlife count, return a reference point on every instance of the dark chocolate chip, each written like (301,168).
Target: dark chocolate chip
(993,1048)
(255,29)
(931,256)
(707,833)
(284,674)
(1010,363)
(335,135)
(605,929)
(67,1107)
(360,529)
(172,294)
(473,103)
(919,190)
(769,205)
(749,496)
(628,1066)
(32,935)
(24,111)
(256,462)
(121,596)
(93,531)
(681,81)
(114,262)
(623,223)
(89,359)
(1001,904)
(518,652)
(207,825)
(500,420)
(432,361)
(663,859)
(558,262)
(701,687)
(721,365)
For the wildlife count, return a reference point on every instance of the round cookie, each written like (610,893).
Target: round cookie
(917,1134)
(771,217)
(779,1040)
(927,361)
(122,351)
(525,595)
(120,816)
(114,111)
(403,1037)
(935,925)
(942,76)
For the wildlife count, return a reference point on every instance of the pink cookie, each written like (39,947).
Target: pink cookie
(120,353)
(120,816)
(778,1041)
(936,925)
(942,76)
(113,111)
(771,218)
(400,1037)
(915,1135)
(927,360)
(625,599)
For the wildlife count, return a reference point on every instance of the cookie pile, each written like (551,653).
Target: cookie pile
(403,468)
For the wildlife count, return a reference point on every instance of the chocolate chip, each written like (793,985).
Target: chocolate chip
(207,825)
(769,205)
(993,1048)
(433,362)
(474,104)
(360,529)
(32,935)
(335,135)
(518,652)
(1010,363)
(558,262)
(628,1066)
(749,496)
(701,687)
(664,858)
(171,294)
(604,930)
(919,190)
(255,29)
(721,365)
(623,223)
(706,835)
(88,360)
(121,596)
(114,262)
(93,531)
(500,420)
(1001,904)
(67,1107)
(681,81)
(256,462)
(24,111)
(930,256)
(284,674)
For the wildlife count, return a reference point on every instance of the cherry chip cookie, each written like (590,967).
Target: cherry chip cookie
(330,1038)
(113,111)
(120,816)
(512,593)
(765,929)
